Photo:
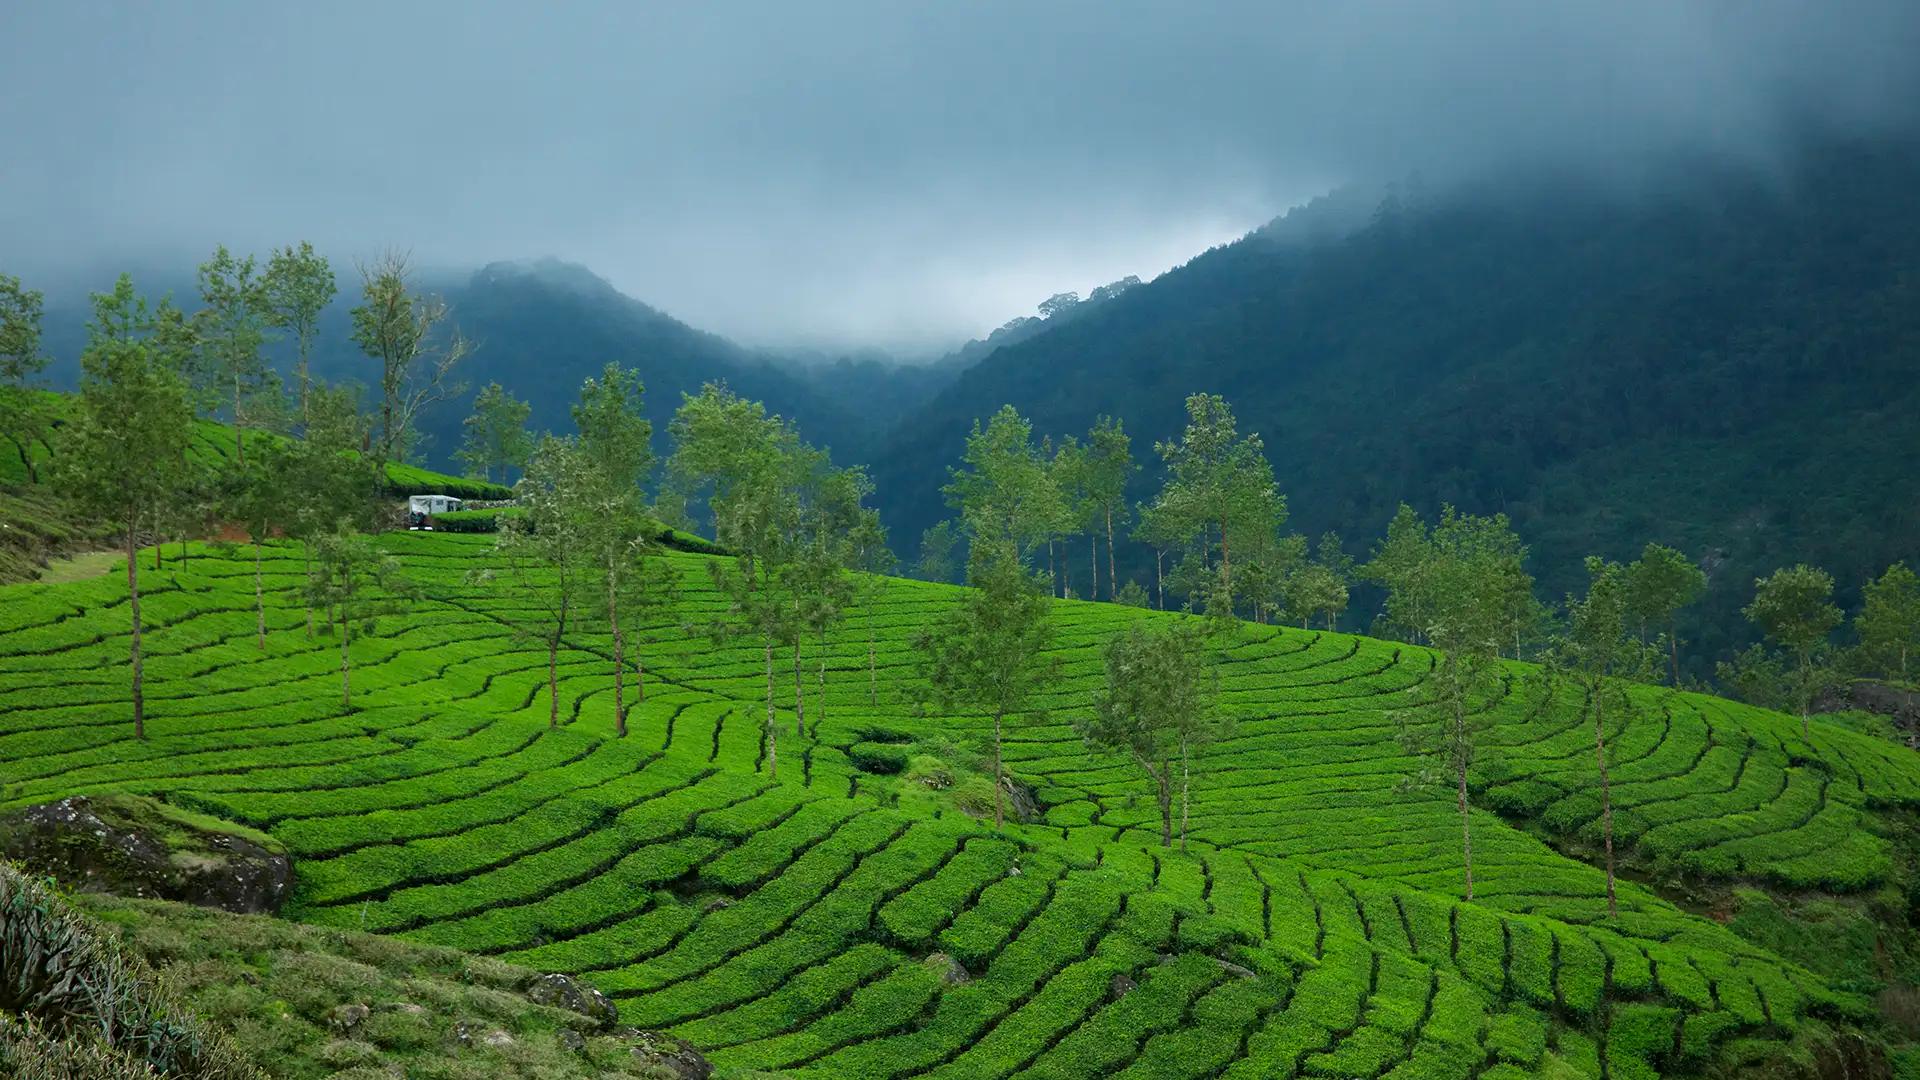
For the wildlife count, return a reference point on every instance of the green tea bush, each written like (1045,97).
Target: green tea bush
(858,915)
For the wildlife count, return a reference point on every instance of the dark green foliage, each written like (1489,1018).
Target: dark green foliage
(59,972)
(1722,365)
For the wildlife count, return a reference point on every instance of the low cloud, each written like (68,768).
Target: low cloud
(844,173)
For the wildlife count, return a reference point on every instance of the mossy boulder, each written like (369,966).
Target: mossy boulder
(128,845)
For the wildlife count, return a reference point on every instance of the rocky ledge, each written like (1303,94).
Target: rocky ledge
(133,846)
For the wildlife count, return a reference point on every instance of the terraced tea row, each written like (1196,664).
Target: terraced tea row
(828,924)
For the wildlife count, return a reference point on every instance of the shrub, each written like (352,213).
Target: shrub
(884,759)
(85,1004)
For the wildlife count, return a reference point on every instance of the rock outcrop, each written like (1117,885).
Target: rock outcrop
(567,992)
(132,846)
(667,1054)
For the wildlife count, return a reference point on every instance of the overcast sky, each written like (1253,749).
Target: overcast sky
(896,174)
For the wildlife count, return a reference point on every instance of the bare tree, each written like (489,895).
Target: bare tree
(411,335)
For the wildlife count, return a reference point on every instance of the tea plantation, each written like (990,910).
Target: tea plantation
(847,921)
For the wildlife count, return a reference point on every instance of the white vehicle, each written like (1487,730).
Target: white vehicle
(421,508)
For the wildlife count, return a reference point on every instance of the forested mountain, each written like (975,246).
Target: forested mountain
(542,327)
(1726,365)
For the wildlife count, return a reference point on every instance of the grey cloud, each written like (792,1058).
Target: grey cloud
(860,172)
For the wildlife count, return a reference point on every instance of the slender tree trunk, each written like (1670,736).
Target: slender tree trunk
(1606,790)
(1159,579)
(820,685)
(346,663)
(1673,647)
(1113,578)
(1050,573)
(1460,769)
(26,460)
(999,815)
(1185,787)
(305,381)
(1163,783)
(553,681)
(133,604)
(1093,566)
(773,728)
(1806,691)
(259,598)
(306,569)
(1226,561)
(619,659)
(799,697)
(239,431)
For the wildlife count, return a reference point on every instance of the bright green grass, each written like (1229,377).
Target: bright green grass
(1313,929)
(214,442)
(87,564)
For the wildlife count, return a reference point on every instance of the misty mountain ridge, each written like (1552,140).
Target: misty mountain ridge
(1720,358)
(1724,365)
(540,326)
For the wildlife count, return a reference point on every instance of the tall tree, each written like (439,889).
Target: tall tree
(299,286)
(24,415)
(1337,568)
(1273,576)
(411,337)
(1596,651)
(831,511)
(1002,488)
(1109,467)
(1889,620)
(127,440)
(232,328)
(723,445)
(1314,590)
(1659,583)
(1404,560)
(352,576)
(1794,608)
(936,553)
(496,434)
(616,444)
(259,499)
(758,521)
(989,652)
(545,551)
(1160,703)
(1219,485)
(326,479)
(1160,528)
(730,453)
(875,561)
(1066,470)
(1458,581)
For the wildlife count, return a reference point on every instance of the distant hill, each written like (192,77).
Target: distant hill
(543,326)
(1728,368)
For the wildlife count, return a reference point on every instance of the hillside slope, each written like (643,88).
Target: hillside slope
(1724,363)
(846,921)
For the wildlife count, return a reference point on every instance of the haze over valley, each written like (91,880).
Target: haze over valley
(873,540)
